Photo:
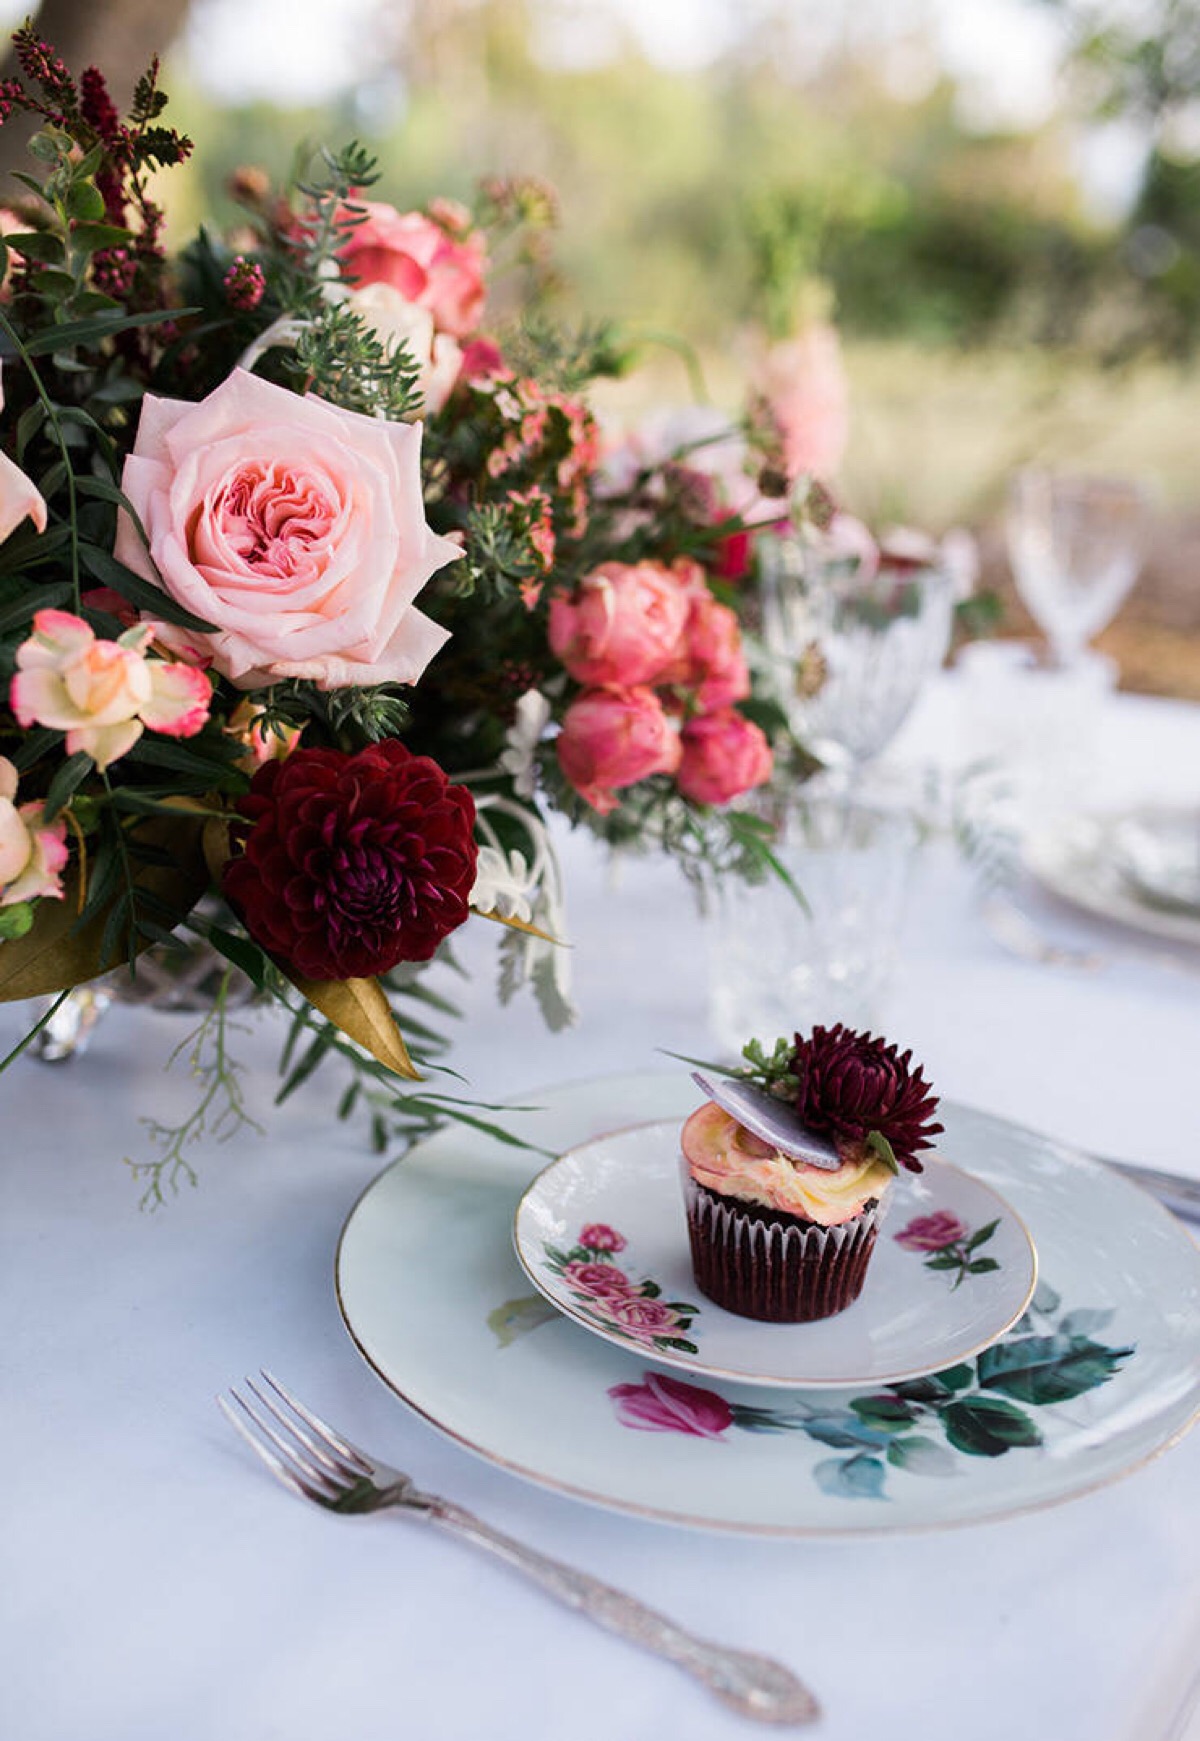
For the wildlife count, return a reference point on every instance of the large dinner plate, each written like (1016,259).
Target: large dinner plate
(1100,1374)
(1081,860)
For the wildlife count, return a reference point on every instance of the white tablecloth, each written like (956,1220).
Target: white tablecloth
(155,1583)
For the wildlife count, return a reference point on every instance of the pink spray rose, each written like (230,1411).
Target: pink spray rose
(667,1405)
(32,852)
(423,260)
(931,1232)
(604,1280)
(623,625)
(18,496)
(612,738)
(297,528)
(724,754)
(598,1236)
(103,694)
(804,385)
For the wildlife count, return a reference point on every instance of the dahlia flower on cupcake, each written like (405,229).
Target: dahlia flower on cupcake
(787,1167)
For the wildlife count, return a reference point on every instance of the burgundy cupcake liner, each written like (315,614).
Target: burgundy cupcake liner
(765,1263)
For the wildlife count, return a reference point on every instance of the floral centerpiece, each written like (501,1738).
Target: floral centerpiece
(316,596)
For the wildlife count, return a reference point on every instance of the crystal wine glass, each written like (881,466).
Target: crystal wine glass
(851,643)
(1076,547)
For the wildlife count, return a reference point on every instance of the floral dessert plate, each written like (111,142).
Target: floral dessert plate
(1099,1374)
(601,1233)
(1086,861)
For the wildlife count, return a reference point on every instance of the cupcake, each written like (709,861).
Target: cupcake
(787,1167)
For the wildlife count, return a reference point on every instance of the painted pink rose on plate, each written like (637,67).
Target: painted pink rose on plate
(661,1404)
(601,1280)
(296,528)
(931,1232)
(641,1316)
(598,1236)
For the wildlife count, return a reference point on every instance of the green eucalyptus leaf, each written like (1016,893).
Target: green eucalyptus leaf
(41,245)
(85,201)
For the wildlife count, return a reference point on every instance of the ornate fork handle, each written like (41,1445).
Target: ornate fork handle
(756,1686)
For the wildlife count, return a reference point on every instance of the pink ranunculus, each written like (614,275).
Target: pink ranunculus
(33,852)
(604,1280)
(931,1232)
(724,754)
(612,738)
(623,625)
(804,385)
(598,1236)
(295,527)
(642,1316)
(661,1404)
(427,265)
(103,694)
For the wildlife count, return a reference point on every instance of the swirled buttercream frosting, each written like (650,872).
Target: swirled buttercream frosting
(727,1158)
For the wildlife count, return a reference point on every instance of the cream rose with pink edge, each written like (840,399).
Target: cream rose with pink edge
(103,694)
(32,852)
(296,528)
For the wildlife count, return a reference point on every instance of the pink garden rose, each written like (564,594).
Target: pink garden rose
(604,1280)
(32,852)
(662,1404)
(804,385)
(598,1236)
(612,738)
(624,624)
(295,527)
(710,661)
(931,1232)
(103,694)
(428,265)
(724,754)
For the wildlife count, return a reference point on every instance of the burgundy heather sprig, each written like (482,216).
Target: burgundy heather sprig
(245,284)
(851,1085)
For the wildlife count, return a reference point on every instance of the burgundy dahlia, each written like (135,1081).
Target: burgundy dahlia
(353,863)
(851,1084)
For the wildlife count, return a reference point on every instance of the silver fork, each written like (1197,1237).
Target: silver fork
(313,1460)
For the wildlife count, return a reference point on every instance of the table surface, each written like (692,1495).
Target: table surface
(157,1583)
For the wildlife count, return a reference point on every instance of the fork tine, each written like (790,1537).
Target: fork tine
(292,1457)
(339,1467)
(293,1482)
(332,1440)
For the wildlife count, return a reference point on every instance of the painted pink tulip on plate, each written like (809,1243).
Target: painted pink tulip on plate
(295,527)
(661,1404)
(723,755)
(612,738)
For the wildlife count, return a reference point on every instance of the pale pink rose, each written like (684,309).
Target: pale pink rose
(662,1404)
(612,738)
(623,625)
(442,272)
(395,321)
(604,1280)
(297,528)
(599,1236)
(33,853)
(804,385)
(931,1232)
(103,693)
(724,754)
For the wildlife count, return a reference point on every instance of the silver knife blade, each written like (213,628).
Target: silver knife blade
(1180,1194)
